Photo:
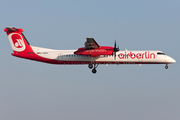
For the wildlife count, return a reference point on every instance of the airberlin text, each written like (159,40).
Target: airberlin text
(96,50)
(131,55)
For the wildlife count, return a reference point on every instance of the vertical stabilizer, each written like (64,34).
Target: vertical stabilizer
(22,48)
(18,42)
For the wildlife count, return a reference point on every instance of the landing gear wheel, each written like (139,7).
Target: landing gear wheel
(94,70)
(90,66)
(166,66)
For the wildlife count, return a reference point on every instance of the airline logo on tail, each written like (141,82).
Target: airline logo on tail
(17,42)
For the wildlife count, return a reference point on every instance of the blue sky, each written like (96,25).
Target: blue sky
(33,90)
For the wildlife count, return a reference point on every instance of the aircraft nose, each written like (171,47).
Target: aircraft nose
(171,60)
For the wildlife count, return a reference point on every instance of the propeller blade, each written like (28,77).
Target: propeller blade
(115,50)
(115,44)
(115,56)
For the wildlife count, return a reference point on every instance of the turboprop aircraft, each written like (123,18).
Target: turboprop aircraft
(91,54)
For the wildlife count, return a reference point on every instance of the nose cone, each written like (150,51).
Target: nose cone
(171,60)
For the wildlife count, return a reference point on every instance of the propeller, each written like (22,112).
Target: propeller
(115,50)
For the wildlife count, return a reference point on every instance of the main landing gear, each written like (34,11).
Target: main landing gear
(91,66)
(166,67)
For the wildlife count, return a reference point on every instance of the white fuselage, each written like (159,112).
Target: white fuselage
(122,57)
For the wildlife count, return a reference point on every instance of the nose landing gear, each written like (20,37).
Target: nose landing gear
(166,67)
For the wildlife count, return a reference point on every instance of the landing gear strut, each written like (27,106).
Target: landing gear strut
(91,66)
(166,67)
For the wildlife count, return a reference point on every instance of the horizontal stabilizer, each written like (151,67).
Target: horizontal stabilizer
(12,29)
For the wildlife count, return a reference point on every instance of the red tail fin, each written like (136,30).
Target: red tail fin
(18,42)
(21,46)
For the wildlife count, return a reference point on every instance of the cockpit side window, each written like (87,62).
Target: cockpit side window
(160,53)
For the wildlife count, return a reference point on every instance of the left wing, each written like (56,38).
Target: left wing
(93,49)
(91,44)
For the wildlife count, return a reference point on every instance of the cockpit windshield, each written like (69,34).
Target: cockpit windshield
(160,53)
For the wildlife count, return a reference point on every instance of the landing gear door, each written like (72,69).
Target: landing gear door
(60,57)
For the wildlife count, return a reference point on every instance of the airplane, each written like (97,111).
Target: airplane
(91,54)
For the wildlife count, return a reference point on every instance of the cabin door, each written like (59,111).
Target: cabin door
(60,57)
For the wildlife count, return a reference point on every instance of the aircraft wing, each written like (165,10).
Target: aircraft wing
(91,44)
(93,49)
